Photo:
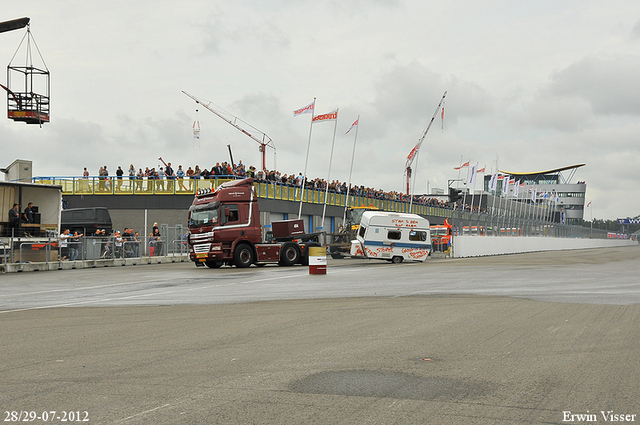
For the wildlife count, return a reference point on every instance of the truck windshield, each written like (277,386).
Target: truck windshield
(203,216)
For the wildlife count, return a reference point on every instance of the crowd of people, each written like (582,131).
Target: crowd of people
(125,244)
(184,180)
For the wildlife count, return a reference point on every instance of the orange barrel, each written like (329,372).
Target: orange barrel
(317,260)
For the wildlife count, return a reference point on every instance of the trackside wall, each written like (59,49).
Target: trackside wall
(477,246)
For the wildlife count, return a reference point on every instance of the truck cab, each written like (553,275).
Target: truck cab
(225,228)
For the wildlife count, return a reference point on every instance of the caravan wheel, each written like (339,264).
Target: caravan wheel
(396,260)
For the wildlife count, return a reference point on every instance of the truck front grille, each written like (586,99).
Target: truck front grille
(201,248)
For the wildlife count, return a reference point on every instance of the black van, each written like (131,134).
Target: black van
(86,220)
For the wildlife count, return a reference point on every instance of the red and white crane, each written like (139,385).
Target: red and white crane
(414,152)
(259,136)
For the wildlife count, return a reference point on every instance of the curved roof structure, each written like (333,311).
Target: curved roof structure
(534,173)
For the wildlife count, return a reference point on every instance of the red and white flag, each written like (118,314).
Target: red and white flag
(481,170)
(413,152)
(355,123)
(306,110)
(331,116)
(588,204)
(466,164)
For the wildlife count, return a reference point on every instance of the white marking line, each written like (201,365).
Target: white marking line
(142,413)
(180,289)
(76,289)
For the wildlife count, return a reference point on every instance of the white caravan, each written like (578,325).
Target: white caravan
(392,236)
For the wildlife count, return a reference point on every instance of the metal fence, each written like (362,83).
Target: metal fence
(17,249)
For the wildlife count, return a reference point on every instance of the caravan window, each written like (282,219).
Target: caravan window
(417,235)
(362,231)
(394,235)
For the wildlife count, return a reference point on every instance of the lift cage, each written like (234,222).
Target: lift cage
(28,85)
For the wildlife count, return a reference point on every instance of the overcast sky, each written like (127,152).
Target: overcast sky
(531,86)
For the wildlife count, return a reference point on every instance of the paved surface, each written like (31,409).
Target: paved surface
(529,338)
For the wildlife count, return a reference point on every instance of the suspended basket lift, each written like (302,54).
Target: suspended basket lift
(28,85)
(263,140)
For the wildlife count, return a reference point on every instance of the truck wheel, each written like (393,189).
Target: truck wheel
(212,264)
(304,260)
(243,256)
(289,254)
(396,260)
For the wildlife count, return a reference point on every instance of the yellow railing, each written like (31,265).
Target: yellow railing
(135,186)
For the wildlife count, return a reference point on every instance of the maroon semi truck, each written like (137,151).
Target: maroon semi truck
(224,228)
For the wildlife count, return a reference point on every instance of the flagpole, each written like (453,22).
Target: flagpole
(464,198)
(473,192)
(353,155)
(493,183)
(459,168)
(326,192)
(510,205)
(306,161)
(500,201)
(520,215)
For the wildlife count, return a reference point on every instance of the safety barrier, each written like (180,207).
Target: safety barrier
(512,219)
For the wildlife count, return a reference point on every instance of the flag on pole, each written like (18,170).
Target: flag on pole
(472,174)
(493,183)
(355,123)
(588,204)
(515,190)
(413,152)
(482,170)
(533,195)
(442,117)
(306,110)
(331,116)
(505,185)
(466,164)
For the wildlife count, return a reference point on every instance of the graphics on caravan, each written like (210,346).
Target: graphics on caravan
(392,236)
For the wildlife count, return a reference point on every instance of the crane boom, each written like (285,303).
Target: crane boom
(257,135)
(412,155)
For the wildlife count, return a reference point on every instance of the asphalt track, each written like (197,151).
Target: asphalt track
(521,339)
